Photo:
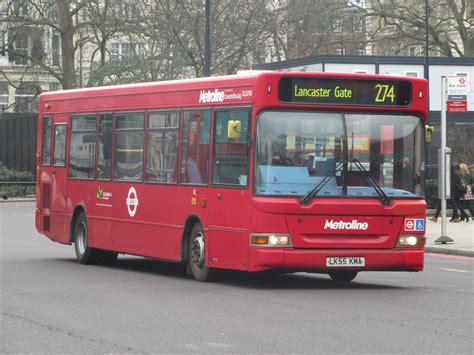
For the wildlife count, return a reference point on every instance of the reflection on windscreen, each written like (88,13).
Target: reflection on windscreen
(296,150)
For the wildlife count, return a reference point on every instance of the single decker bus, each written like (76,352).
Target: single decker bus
(281,171)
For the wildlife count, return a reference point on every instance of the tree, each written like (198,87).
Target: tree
(397,25)
(30,21)
(240,28)
(314,27)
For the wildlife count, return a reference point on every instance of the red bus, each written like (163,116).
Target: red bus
(284,171)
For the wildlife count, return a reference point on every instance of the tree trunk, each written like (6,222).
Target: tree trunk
(67,44)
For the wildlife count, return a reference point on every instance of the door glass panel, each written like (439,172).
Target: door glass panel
(230,155)
(46,145)
(105,147)
(59,158)
(195,147)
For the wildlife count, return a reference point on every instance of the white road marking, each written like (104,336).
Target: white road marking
(454,270)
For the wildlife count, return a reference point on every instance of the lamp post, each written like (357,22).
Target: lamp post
(207,40)
(427,44)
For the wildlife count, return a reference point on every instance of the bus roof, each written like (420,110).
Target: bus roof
(247,78)
(259,89)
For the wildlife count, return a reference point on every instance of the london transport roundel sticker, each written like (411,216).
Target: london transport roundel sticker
(132,201)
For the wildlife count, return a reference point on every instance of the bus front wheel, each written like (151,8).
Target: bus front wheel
(197,255)
(343,276)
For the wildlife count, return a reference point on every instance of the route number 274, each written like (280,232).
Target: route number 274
(384,92)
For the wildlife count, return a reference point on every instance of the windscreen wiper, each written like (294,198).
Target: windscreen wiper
(382,195)
(306,198)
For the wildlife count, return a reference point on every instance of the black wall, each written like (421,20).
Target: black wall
(18,141)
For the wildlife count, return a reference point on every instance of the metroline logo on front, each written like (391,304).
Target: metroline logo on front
(353,225)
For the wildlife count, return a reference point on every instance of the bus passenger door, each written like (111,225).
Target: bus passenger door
(58,177)
(230,194)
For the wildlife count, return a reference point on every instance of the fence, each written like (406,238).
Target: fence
(18,141)
(16,188)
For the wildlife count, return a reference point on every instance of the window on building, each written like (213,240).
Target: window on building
(412,51)
(358,25)
(3,95)
(26,98)
(413,74)
(3,42)
(340,51)
(55,49)
(46,141)
(122,51)
(104,163)
(337,25)
(59,155)
(82,146)
(37,49)
(128,156)
(124,9)
(195,147)
(361,52)
(20,52)
(162,147)
(19,8)
(54,86)
(230,161)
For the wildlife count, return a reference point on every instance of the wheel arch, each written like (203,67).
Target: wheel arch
(188,227)
(77,211)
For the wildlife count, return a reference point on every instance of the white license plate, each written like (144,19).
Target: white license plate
(345,261)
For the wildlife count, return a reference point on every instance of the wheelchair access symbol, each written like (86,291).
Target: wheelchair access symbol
(415,224)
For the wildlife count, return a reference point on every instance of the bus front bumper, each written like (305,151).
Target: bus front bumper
(315,260)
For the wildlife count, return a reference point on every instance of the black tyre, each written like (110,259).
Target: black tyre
(343,276)
(197,255)
(84,254)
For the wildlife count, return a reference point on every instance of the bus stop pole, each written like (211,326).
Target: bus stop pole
(444,164)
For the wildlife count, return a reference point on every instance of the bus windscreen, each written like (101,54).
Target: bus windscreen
(353,92)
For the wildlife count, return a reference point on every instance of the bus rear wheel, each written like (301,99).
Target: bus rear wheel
(197,255)
(84,254)
(343,276)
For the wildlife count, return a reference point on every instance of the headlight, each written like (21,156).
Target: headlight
(270,240)
(413,241)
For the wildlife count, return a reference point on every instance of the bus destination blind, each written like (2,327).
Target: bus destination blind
(356,92)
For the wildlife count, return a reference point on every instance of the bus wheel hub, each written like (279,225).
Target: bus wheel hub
(197,250)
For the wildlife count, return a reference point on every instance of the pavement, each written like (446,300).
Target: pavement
(461,233)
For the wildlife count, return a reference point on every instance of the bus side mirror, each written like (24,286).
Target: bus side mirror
(234,128)
(428,133)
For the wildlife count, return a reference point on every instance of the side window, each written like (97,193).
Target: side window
(82,147)
(230,161)
(59,155)
(162,147)
(195,147)
(128,156)
(46,144)
(104,163)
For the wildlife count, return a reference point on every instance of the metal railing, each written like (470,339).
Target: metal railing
(8,192)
